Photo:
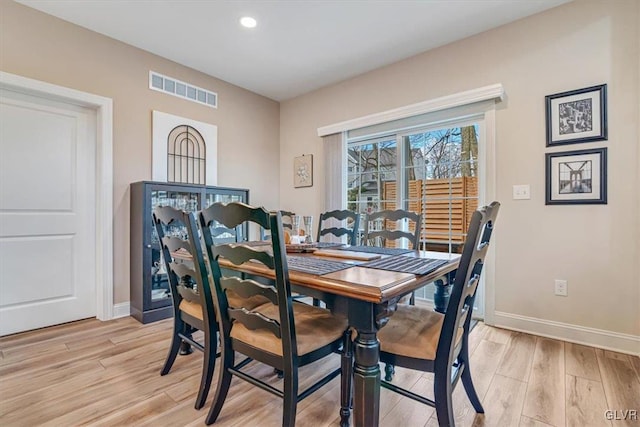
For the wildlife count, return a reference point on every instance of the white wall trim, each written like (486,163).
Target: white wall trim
(495,92)
(608,340)
(488,195)
(122,309)
(104,175)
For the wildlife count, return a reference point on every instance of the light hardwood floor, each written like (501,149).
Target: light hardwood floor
(108,374)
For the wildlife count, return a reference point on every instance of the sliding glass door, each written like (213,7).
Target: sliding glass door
(371,165)
(432,170)
(440,180)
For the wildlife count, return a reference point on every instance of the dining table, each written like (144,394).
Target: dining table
(366,289)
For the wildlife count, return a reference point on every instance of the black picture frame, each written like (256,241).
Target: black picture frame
(576,116)
(576,177)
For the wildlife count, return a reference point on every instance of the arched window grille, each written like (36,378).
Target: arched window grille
(186,156)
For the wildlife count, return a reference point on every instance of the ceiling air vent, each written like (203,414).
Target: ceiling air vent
(182,90)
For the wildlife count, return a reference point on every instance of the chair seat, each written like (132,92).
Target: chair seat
(315,328)
(191,308)
(195,309)
(414,332)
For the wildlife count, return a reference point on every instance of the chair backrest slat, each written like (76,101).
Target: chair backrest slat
(383,218)
(176,243)
(287,224)
(254,321)
(287,219)
(336,231)
(247,288)
(241,254)
(234,214)
(189,294)
(351,231)
(183,270)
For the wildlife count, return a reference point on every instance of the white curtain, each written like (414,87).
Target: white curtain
(334,160)
(334,197)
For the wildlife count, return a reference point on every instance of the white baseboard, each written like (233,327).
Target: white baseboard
(608,340)
(121,310)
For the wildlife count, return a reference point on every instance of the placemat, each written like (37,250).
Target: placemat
(405,264)
(376,250)
(254,243)
(302,247)
(357,256)
(314,265)
(310,247)
(328,245)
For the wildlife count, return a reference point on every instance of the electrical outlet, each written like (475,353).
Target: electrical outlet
(561,287)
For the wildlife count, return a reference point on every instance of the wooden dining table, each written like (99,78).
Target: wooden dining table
(368,298)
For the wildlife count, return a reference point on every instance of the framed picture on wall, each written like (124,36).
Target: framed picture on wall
(303,171)
(576,177)
(577,116)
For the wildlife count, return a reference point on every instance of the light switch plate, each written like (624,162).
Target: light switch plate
(561,287)
(521,192)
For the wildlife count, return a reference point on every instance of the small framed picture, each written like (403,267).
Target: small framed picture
(576,177)
(577,116)
(303,171)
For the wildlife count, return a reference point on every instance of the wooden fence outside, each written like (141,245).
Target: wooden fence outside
(439,201)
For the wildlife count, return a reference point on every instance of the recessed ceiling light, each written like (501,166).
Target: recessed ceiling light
(248,22)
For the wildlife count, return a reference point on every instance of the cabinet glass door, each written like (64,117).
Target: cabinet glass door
(160,290)
(211,198)
(220,233)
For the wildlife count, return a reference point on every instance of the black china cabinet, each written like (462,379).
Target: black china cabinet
(149,286)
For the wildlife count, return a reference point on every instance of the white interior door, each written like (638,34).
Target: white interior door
(47,212)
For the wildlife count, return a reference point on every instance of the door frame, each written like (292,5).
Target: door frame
(480,101)
(103,108)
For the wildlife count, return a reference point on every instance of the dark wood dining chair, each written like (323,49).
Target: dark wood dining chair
(326,225)
(382,226)
(287,219)
(281,333)
(287,223)
(193,307)
(421,339)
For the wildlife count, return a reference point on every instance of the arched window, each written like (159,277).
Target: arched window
(186,156)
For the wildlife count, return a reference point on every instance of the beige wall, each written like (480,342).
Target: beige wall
(596,248)
(576,45)
(38,46)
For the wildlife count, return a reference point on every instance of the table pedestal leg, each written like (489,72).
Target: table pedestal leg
(366,380)
(441,295)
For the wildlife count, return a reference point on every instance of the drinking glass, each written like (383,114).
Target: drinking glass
(295,225)
(308,227)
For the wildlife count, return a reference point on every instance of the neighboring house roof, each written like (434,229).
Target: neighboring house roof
(387,158)
(369,187)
